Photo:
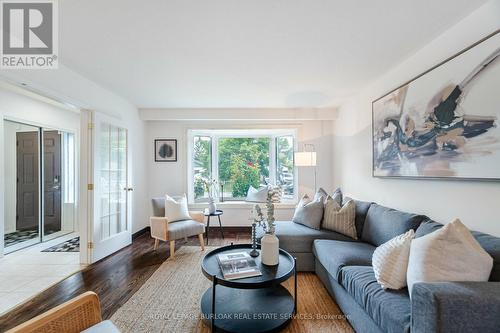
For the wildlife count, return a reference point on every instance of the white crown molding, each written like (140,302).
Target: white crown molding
(301,114)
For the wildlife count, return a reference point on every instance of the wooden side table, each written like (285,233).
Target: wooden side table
(217,213)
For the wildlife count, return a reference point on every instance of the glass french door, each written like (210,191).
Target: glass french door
(111,229)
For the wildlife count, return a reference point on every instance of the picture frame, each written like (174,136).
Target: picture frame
(444,123)
(165,150)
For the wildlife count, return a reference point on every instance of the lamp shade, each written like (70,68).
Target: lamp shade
(305,158)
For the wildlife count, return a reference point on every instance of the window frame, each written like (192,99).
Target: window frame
(216,134)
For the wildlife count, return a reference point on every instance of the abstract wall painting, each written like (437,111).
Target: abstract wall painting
(444,123)
(165,150)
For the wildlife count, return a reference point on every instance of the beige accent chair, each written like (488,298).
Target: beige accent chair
(80,314)
(166,231)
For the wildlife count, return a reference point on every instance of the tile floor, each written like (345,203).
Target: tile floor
(27,272)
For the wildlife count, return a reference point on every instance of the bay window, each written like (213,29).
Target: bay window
(225,163)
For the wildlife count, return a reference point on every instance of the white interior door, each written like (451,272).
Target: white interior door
(111,225)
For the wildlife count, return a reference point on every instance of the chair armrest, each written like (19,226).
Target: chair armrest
(159,227)
(75,315)
(197,216)
(455,307)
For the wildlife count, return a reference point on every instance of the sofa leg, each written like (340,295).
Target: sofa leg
(202,241)
(157,241)
(172,248)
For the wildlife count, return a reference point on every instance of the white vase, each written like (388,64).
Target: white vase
(211,206)
(270,245)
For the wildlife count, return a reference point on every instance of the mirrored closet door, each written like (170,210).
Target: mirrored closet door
(40,184)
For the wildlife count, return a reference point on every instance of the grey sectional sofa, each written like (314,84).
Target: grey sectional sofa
(344,267)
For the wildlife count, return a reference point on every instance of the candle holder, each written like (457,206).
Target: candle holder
(254,253)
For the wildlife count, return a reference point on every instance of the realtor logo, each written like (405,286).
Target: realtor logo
(29,34)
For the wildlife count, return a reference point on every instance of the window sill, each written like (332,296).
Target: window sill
(240,205)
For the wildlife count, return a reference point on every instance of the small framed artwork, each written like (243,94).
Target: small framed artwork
(165,150)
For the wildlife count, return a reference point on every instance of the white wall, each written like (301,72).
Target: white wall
(171,177)
(68,86)
(476,203)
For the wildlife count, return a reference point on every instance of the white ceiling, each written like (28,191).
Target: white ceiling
(246,54)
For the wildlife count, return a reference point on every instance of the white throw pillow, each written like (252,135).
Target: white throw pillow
(257,195)
(448,254)
(340,219)
(176,210)
(390,261)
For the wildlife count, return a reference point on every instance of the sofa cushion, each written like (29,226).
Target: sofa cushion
(159,207)
(297,238)
(334,255)
(426,227)
(489,243)
(361,211)
(390,309)
(186,228)
(382,224)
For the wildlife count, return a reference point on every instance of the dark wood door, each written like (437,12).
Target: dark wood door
(52,177)
(28,188)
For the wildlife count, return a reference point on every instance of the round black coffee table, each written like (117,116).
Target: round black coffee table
(255,304)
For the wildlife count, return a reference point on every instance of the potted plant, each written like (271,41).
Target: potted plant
(211,189)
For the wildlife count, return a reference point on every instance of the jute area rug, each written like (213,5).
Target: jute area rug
(170,300)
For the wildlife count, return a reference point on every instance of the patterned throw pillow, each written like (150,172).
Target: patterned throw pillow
(340,219)
(337,195)
(309,212)
(321,193)
(390,261)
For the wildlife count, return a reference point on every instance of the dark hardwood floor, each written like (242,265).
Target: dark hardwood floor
(115,278)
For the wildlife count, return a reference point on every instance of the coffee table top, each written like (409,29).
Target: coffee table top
(271,275)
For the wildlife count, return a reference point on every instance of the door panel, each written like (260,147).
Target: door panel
(27,181)
(110,225)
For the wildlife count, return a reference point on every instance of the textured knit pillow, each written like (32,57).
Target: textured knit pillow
(340,219)
(448,254)
(176,210)
(390,261)
(309,212)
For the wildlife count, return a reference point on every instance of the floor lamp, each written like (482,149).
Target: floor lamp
(307,159)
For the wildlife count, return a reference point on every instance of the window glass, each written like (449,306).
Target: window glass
(225,163)
(202,168)
(284,165)
(242,162)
